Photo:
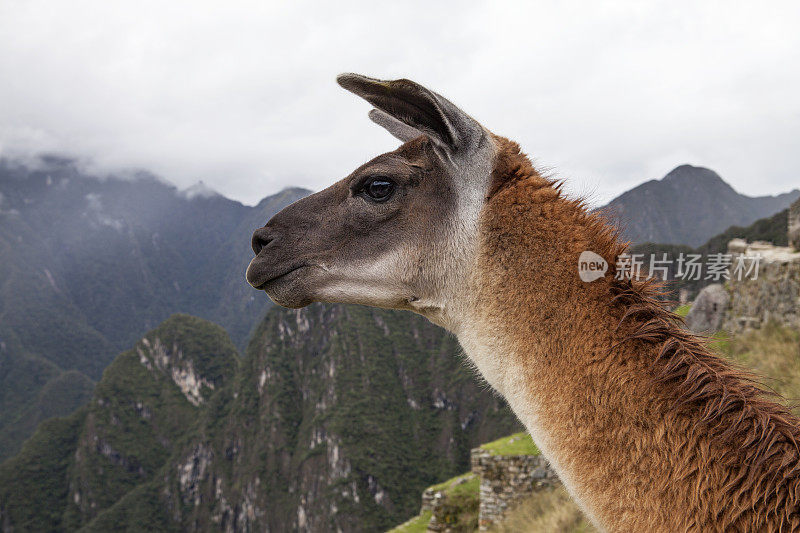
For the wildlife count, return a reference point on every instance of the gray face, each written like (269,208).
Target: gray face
(395,233)
(364,239)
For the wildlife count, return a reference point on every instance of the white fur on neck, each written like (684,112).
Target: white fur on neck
(495,359)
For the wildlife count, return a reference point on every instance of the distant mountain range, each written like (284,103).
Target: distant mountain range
(88,264)
(689,206)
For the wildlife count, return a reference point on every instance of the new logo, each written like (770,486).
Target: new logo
(591,266)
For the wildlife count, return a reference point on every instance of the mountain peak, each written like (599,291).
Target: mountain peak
(690,172)
(199,190)
(688,206)
(686,167)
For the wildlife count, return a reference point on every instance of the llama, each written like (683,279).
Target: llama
(648,429)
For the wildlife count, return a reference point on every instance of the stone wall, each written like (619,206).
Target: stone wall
(507,479)
(794,225)
(773,296)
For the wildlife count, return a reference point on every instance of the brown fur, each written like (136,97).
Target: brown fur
(656,432)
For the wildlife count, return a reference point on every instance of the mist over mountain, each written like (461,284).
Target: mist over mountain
(90,263)
(689,206)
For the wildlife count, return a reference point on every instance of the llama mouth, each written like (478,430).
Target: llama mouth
(271,280)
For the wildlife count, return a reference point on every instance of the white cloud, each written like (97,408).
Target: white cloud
(242,95)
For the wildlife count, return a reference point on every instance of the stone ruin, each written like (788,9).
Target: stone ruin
(506,480)
(773,295)
(442,509)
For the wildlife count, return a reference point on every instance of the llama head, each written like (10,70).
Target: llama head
(401,230)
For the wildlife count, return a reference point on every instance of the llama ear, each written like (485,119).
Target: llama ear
(401,130)
(417,107)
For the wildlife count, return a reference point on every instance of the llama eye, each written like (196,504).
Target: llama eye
(379,189)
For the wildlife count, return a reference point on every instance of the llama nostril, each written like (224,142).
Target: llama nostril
(261,238)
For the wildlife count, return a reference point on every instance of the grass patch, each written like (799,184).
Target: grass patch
(463,484)
(772,352)
(682,310)
(418,524)
(547,511)
(457,510)
(516,444)
(720,342)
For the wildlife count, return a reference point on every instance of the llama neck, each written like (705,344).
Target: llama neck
(586,388)
(583,409)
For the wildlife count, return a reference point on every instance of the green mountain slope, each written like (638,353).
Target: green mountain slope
(34,484)
(147,405)
(360,409)
(337,418)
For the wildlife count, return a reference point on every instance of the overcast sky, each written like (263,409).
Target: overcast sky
(243,97)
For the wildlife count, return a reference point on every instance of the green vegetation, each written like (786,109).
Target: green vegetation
(140,510)
(460,512)
(102,457)
(682,310)
(516,444)
(387,366)
(34,484)
(138,409)
(772,352)
(32,390)
(464,484)
(721,342)
(418,524)
(458,508)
